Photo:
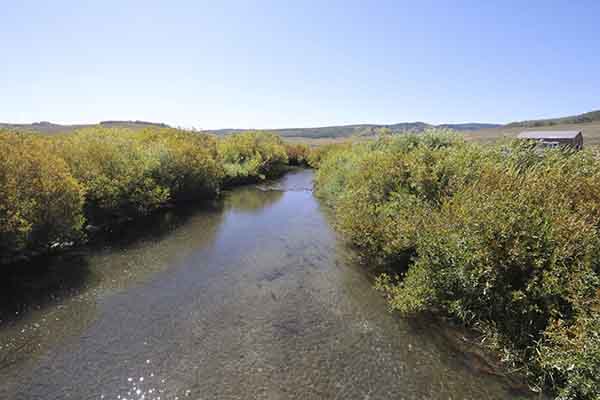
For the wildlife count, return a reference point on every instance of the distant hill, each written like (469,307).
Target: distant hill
(42,127)
(588,123)
(51,128)
(342,131)
(592,116)
(133,124)
(469,126)
(334,132)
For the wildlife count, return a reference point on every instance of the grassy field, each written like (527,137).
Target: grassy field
(49,128)
(591,132)
(313,142)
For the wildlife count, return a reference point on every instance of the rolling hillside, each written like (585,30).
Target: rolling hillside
(591,132)
(327,132)
(589,117)
(51,128)
(588,122)
(361,130)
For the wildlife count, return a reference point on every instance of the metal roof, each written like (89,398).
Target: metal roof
(548,134)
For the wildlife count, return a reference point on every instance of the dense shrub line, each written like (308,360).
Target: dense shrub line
(504,238)
(40,201)
(297,154)
(252,156)
(51,188)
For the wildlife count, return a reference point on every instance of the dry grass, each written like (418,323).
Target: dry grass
(313,142)
(591,132)
(591,135)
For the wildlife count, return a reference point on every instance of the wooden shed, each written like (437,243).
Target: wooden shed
(555,138)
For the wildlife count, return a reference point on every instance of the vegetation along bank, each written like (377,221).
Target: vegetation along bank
(54,187)
(504,238)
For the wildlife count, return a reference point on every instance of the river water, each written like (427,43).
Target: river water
(253,296)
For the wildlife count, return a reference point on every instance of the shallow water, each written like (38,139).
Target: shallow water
(252,297)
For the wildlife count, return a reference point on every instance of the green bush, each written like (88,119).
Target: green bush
(118,171)
(252,156)
(128,173)
(40,202)
(319,153)
(297,154)
(382,190)
(503,238)
(571,355)
(50,186)
(333,174)
(189,163)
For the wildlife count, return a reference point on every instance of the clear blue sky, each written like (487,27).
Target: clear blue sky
(272,64)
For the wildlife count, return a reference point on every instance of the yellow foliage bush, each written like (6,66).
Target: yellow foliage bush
(297,154)
(504,238)
(117,170)
(52,186)
(40,201)
(252,156)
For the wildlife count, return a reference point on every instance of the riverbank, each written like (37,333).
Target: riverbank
(62,190)
(502,239)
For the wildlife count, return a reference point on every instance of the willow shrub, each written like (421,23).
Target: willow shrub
(334,171)
(382,191)
(503,238)
(297,154)
(129,173)
(117,170)
(252,156)
(189,163)
(52,186)
(318,153)
(40,201)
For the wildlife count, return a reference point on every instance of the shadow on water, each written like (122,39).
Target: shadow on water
(55,299)
(40,282)
(49,299)
(46,280)
(50,279)
(462,349)
(248,200)
(155,226)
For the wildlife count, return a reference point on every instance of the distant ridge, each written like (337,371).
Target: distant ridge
(340,131)
(592,116)
(134,123)
(337,131)
(52,128)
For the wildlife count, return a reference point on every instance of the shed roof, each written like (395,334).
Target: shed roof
(548,134)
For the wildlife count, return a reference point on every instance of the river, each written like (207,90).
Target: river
(253,296)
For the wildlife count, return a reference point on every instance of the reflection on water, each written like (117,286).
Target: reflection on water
(245,199)
(250,298)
